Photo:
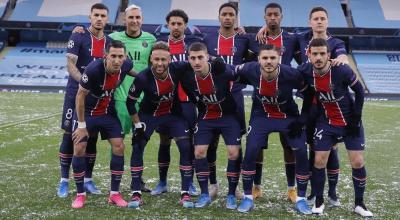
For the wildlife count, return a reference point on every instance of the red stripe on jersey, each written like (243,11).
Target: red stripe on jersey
(109,84)
(277,42)
(176,47)
(332,109)
(98,47)
(165,89)
(269,89)
(226,45)
(206,88)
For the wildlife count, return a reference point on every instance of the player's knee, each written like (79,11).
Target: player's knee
(288,154)
(233,153)
(260,156)
(118,148)
(200,152)
(357,161)
(80,149)
(320,161)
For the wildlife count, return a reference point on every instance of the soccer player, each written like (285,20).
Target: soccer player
(339,119)
(81,50)
(138,44)
(275,35)
(233,48)
(159,108)
(319,23)
(217,116)
(274,110)
(95,113)
(178,43)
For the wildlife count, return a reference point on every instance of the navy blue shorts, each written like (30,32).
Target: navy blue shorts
(189,113)
(174,126)
(260,127)
(326,136)
(68,111)
(108,126)
(228,126)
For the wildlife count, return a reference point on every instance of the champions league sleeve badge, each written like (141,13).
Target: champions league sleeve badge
(70,44)
(85,78)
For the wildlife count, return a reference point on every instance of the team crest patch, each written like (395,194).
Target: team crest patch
(234,49)
(70,44)
(145,44)
(85,78)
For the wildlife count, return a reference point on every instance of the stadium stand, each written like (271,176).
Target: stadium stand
(198,11)
(294,14)
(47,69)
(49,10)
(376,13)
(379,70)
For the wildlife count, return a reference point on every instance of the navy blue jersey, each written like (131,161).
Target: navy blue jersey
(158,98)
(88,48)
(232,49)
(336,46)
(212,92)
(271,98)
(101,86)
(179,52)
(286,41)
(332,92)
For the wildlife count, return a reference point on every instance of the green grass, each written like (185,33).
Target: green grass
(29,170)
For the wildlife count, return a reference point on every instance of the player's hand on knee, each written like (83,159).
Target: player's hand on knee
(80,135)
(353,127)
(139,133)
(295,129)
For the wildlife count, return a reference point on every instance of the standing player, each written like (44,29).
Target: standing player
(138,44)
(159,108)
(217,116)
(178,44)
(95,113)
(233,48)
(275,35)
(274,110)
(319,24)
(339,120)
(82,49)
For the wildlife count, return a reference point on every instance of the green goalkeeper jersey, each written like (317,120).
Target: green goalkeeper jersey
(138,50)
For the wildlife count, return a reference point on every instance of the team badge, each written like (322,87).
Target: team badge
(70,44)
(85,78)
(234,49)
(145,44)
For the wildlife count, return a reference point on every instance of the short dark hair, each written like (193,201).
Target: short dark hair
(228,4)
(273,5)
(319,42)
(115,44)
(99,6)
(160,45)
(198,46)
(177,13)
(317,9)
(270,47)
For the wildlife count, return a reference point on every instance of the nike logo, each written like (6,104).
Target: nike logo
(238,139)
(186,131)
(362,145)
